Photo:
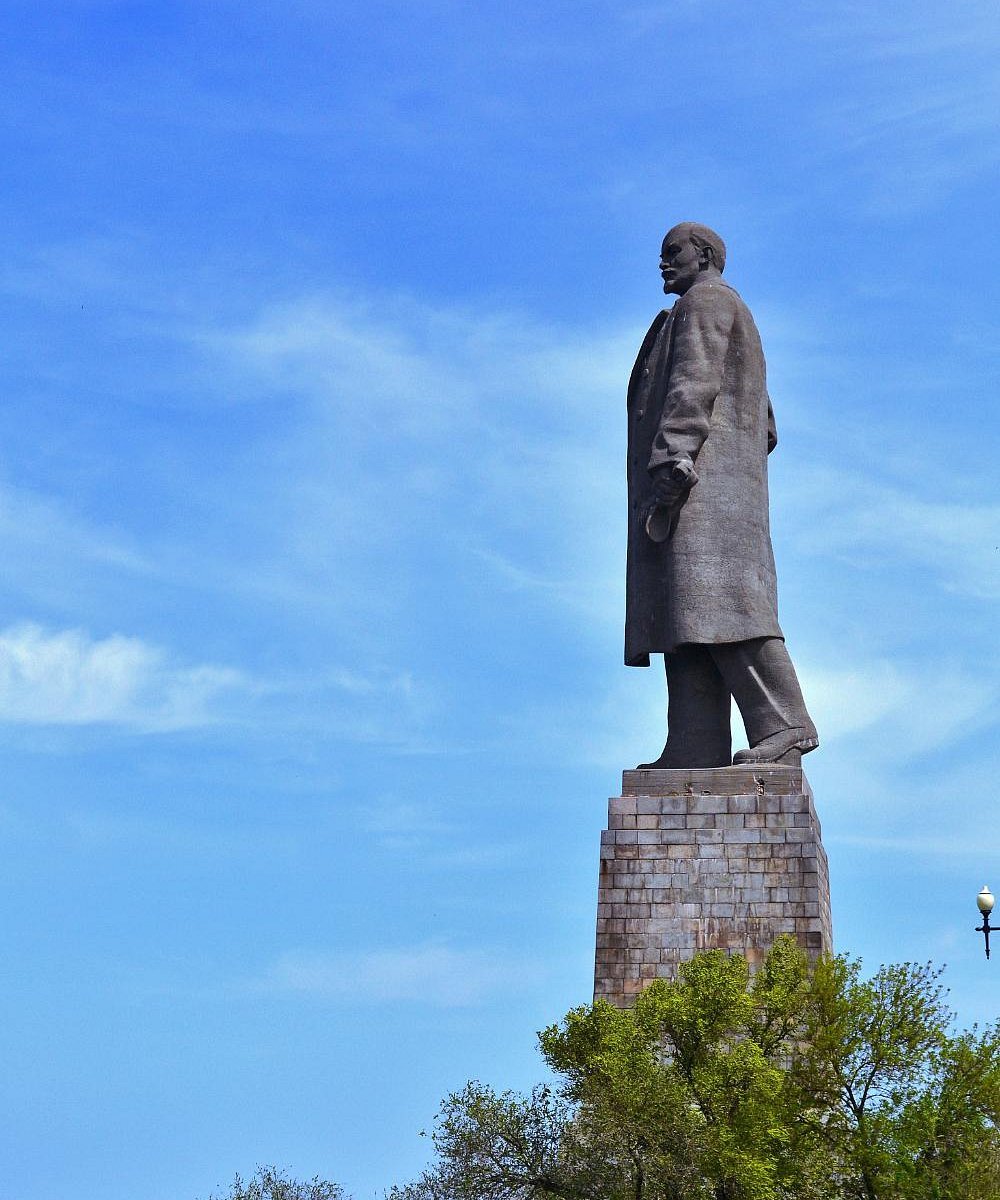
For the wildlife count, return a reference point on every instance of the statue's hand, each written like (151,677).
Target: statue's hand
(673,481)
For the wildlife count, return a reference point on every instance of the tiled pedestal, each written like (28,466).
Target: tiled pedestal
(702,859)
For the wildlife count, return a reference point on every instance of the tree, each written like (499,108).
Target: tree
(909,1108)
(270,1183)
(493,1146)
(792,1084)
(693,1077)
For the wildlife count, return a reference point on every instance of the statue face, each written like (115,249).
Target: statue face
(680,262)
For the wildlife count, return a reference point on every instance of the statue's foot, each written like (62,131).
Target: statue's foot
(785,747)
(666,762)
(670,760)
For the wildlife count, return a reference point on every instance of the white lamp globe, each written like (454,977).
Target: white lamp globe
(986,900)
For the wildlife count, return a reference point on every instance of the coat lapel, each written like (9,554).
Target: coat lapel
(644,349)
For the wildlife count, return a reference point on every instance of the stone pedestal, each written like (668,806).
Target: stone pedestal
(707,859)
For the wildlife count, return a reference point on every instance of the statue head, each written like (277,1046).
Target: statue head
(690,252)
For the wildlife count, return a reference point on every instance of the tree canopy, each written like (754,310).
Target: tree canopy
(788,1084)
(271,1183)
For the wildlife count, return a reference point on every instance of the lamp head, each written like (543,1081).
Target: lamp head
(986,900)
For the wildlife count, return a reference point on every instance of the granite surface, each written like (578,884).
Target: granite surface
(725,858)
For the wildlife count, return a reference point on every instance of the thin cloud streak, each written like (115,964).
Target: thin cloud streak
(429,974)
(848,514)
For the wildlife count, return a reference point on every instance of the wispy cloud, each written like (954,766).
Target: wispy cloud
(862,517)
(418,827)
(67,677)
(429,974)
(900,711)
(70,678)
(918,114)
(47,547)
(409,431)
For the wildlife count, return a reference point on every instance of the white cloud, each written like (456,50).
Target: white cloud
(51,553)
(852,698)
(429,974)
(848,514)
(66,677)
(418,828)
(69,678)
(409,428)
(404,825)
(909,710)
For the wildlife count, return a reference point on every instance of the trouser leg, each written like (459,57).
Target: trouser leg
(760,675)
(698,710)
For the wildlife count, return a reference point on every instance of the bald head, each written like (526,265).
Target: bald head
(690,252)
(704,238)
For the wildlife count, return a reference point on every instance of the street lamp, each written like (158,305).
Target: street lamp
(986,900)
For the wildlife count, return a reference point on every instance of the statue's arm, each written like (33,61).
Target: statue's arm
(703,322)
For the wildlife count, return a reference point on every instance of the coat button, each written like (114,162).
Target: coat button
(640,414)
(645,371)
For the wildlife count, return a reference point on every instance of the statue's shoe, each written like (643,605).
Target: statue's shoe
(670,760)
(786,746)
(666,762)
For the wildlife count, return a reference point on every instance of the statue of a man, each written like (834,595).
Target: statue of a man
(700,584)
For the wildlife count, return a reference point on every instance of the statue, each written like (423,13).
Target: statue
(700,582)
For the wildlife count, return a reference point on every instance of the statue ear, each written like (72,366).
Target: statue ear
(706,257)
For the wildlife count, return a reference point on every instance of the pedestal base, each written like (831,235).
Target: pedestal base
(707,859)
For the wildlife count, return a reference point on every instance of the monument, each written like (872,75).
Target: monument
(703,850)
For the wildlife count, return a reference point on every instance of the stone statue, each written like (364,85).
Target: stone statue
(700,584)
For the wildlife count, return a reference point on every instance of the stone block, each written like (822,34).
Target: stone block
(744,804)
(707,805)
(672,821)
(700,820)
(760,849)
(657,805)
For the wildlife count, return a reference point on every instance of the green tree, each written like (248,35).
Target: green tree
(270,1183)
(693,1077)
(944,1140)
(790,1084)
(908,1108)
(497,1146)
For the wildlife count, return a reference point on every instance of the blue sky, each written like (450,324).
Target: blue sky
(316,321)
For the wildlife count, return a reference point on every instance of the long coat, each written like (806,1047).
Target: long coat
(698,391)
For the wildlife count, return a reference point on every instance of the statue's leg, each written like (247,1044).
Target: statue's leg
(760,675)
(698,712)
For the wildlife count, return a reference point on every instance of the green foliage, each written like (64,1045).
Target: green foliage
(269,1183)
(501,1147)
(943,1143)
(788,1085)
(693,1075)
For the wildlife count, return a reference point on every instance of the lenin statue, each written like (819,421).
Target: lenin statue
(700,583)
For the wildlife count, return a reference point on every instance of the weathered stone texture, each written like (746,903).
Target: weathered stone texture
(725,858)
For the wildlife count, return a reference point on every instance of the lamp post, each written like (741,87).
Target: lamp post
(985,900)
